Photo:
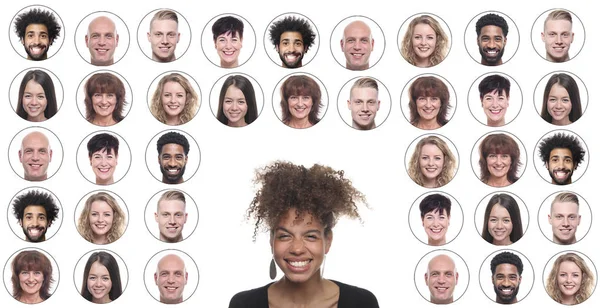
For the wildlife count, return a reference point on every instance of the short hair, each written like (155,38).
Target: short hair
(565,197)
(436,203)
(587,280)
(569,83)
(118,226)
(108,261)
(365,82)
(164,15)
(173,137)
(227,24)
(244,85)
(104,83)
(191,99)
(37,16)
(300,85)
(494,83)
(35,198)
(103,142)
(429,86)
(43,79)
(499,144)
(441,41)
(31,260)
(559,15)
(449,162)
(562,141)
(492,20)
(510,204)
(292,24)
(171,195)
(506,257)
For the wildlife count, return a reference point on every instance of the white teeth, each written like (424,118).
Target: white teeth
(290,57)
(299,263)
(171,288)
(492,52)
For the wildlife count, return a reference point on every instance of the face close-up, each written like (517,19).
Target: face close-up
(436,225)
(498,165)
(171,278)
(34,101)
(431,161)
(560,166)
(101,218)
(35,155)
(423,41)
(491,42)
(441,278)
(102,40)
(569,278)
(291,49)
(228,46)
(36,41)
(172,160)
(300,106)
(499,225)
(428,108)
(506,282)
(34,223)
(31,282)
(104,164)
(565,219)
(363,105)
(163,38)
(173,98)
(495,106)
(171,218)
(99,283)
(104,104)
(557,37)
(559,105)
(234,106)
(357,45)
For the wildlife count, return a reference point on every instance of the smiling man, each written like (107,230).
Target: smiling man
(171,278)
(491,31)
(164,35)
(171,216)
(173,149)
(564,218)
(37,29)
(102,40)
(507,269)
(494,93)
(364,103)
(35,211)
(562,154)
(558,35)
(35,155)
(292,37)
(357,45)
(441,278)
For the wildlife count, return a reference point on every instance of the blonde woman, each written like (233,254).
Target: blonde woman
(432,164)
(102,221)
(174,101)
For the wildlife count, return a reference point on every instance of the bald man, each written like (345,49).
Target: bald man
(441,278)
(35,155)
(357,45)
(102,40)
(171,278)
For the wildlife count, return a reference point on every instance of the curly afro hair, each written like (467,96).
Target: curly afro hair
(35,197)
(507,257)
(562,141)
(37,16)
(173,137)
(292,24)
(492,20)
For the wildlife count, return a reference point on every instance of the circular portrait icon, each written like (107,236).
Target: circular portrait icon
(37,32)
(233,39)
(356,36)
(171,215)
(360,100)
(495,99)
(512,276)
(104,98)
(553,35)
(300,100)
(102,38)
(35,154)
(446,277)
(428,101)
(565,217)
(164,35)
(174,98)
(101,276)
(291,40)
(439,215)
(171,276)
(502,218)
(424,40)
(498,159)
(570,277)
(102,151)
(430,161)
(36,94)
(101,217)
(236,100)
(35,214)
(175,151)
(31,275)
(492,38)
(561,98)
(561,157)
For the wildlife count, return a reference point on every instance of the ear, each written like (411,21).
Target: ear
(342,44)
(543,37)
(86,41)
(372,44)
(156,217)
(349,104)
(578,219)
(186,277)
(20,156)
(549,219)
(178,37)
(456,278)
(277,48)
(20,221)
(186,160)
(378,104)
(185,218)
(155,279)
(426,279)
(50,157)
(148,35)
(328,240)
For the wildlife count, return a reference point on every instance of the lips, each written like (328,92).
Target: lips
(506,291)
(291,57)
(561,174)
(37,49)
(172,229)
(357,56)
(298,266)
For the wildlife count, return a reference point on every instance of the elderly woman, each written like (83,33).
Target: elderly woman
(571,281)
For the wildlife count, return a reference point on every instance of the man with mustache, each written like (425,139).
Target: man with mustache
(37,29)
(292,37)
(491,31)
(562,154)
(506,268)
(173,149)
(35,211)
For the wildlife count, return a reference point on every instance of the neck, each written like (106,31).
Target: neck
(104,121)
(563,59)
(361,127)
(504,242)
(299,123)
(430,183)
(229,64)
(175,301)
(99,239)
(420,62)
(169,59)
(439,242)
(171,240)
(297,66)
(166,180)
(563,121)
(31,298)
(493,123)
(304,292)
(107,63)
(105,299)
(428,124)
(572,240)
(108,181)
(568,300)
(173,120)
(42,178)
(498,182)
(357,68)
(491,64)
(240,123)
(38,118)
(443,302)
(499,301)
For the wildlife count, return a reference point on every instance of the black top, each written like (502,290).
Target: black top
(350,297)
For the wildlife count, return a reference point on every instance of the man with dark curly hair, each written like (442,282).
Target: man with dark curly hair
(35,211)
(506,268)
(292,37)
(37,29)
(492,30)
(173,149)
(562,154)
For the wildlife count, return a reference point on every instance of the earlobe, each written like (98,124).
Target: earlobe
(156,217)
(342,44)
(549,219)
(329,239)
(348,101)
(86,41)
(155,279)
(543,37)
(148,34)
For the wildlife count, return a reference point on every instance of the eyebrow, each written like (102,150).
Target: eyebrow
(286,230)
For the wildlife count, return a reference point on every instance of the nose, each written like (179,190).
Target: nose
(297,246)
(364,107)
(163,40)
(171,220)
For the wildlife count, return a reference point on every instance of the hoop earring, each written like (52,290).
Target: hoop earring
(272,269)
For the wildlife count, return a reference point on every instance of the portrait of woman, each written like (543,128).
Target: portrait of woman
(237,102)
(103,152)
(432,164)
(174,101)
(429,103)
(101,221)
(499,160)
(425,43)
(31,277)
(101,278)
(570,281)
(300,206)
(37,97)
(502,221)
(561,104)
(300,102)
(104,99)
(228,36)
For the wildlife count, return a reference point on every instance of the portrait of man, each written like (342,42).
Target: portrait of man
(492,31)
(564,218)
(494,93)
(173,149)
(37,29)
(441,278)
(171,278)
(35,212)
(507,269)
(102,39)
(364,103)
(164,35)
(558,35)
(171,216)
(561,154)
(357,45)
(35,155)
(292,37)
(435,217)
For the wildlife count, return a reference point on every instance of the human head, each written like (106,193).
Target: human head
(37,29)
(514,222)
(492,30)
(118,218)
(507,269)
(24,267)
(436,53)
(581,281)
(449,162)
(558,35)
(35,155)
(171,216)
(173,149)
(30,100)
(171,278)
(249,97)
(364,103)
(102,40)
(292,37)
(562,154)
(103,152)
(300,86)
(421,107)
(564,218)
(435,216)
(357,45)
(441,278)
(183,96)
(494,93)
(494,146)
(228,35)
(97,104)
(35,211)
(164,35)
(109,262)
(555,103)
